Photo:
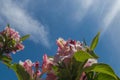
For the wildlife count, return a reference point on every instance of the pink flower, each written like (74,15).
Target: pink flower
(66,49)
(12,33)
(38,73)
(31,68)
(61,43)
(19,47)
(36,64)
(47,64)
(28,66)
(12,40)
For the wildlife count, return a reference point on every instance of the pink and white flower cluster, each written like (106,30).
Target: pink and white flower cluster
(31,68)
(66,50)
(10,41)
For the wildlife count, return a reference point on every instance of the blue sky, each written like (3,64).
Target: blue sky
(47,20)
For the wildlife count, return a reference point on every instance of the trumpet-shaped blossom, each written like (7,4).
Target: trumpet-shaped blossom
(38,72)
(19,46)
(47,64)
(29,67)
(36,64)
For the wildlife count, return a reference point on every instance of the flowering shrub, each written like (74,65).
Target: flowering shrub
(74,60)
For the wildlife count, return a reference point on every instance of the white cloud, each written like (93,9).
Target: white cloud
(82,7)
(86,3)
(111,14)
(16,15)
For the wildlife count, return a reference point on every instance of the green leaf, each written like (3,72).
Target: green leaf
(62,71)
(11,43)
(55,69)
(82,56)
(90,75)
(93,54)
(84,42)
(80,70)
(2,39)
(6,60)
(8,25)
(20,72)
(24,37)
(95,41)
(102,68)
(101,76)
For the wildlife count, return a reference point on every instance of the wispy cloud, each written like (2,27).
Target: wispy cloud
(81,8)
(111,14)
(16,15)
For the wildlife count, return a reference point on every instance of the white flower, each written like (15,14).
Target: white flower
(90,62)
